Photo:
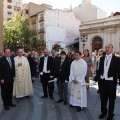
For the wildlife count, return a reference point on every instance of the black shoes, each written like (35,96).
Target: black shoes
(98,91)
(71,106)
(65,102)
(51,97)
(101,116)
(59,101)
(6,107)
(44,96)
(12,105)
(79,109)
(110,117)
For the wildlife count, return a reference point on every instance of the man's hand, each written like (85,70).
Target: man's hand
(55,79)
(19,64)
(2,81)
(92,83)
(41,73)
(51,76)
(75,81)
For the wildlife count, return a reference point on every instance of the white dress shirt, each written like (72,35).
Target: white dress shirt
(45,64)
(107,62)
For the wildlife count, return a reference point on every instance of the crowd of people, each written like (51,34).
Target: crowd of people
(17,73)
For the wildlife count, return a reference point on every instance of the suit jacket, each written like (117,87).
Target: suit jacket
(114,69)
(7,73)
(49,65)
(62,72)
(55,63)
(32,64)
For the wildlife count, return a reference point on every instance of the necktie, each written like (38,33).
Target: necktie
(9,61)
(61,63)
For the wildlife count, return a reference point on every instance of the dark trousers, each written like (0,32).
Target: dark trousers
(63,90)
(6,93)
(107,92)
(47,86)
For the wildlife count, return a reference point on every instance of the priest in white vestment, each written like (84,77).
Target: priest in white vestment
(78,95)
(23,83)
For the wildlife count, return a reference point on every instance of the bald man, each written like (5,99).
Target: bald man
(107,75)
(23,83)
(7,74)
(46,74)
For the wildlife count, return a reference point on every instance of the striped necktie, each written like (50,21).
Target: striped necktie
(9,61)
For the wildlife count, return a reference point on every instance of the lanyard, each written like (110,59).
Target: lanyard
(107,60)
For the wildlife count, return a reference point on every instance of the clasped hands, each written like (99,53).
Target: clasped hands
(75,81)
(19,64)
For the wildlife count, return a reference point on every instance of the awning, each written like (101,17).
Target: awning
(74,44)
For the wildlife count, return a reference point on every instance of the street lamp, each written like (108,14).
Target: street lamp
(83,40)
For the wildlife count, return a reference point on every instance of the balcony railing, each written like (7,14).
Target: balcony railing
(41,30)
(41,19)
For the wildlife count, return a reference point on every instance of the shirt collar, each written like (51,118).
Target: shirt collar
(46,57)
(7,58)
(62,60)
(109,55)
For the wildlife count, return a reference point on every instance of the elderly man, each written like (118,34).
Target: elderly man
(7,76)
(107,75)
(23,84)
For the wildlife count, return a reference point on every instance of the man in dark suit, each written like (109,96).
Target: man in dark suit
(62,75)
(46,74)
(7,74)
(107,75)
(55,63)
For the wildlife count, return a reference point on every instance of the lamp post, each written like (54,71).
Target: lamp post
(83,40)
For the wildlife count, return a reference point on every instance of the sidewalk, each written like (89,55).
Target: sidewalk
(35,108)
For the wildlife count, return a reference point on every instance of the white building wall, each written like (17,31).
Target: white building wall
(62,19)
(101,14)
(88,12)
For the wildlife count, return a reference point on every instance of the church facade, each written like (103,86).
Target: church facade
(100,33)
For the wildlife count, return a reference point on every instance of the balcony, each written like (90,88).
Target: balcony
(41,31)
(41,19)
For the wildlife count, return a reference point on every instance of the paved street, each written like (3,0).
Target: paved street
(35,108)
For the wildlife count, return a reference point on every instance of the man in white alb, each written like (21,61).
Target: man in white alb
(78,95)
(23,84)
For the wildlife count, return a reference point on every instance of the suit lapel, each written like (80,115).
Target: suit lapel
(7,62)
(112,62)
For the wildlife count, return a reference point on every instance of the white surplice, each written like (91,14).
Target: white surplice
(23,83)
(82,102)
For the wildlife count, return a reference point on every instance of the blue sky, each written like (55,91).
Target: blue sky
(107,5)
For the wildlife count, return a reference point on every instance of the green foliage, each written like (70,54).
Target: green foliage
(16,32)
